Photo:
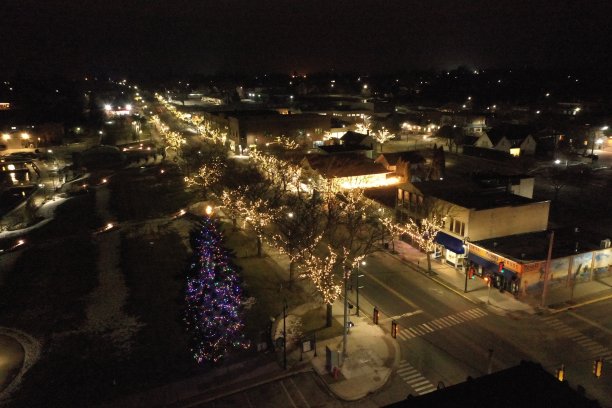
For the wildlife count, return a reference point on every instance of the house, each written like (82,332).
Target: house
(347,170)
(472,211)
(350,142)
(351,138)
(514,139)
(408,166)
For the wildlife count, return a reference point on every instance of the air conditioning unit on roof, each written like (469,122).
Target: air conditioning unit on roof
(605,243)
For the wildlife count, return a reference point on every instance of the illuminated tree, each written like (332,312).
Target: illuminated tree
(282,173)
(233,203)
(258,214)
(320,270)
(297,229)
(365,126)
(207,175)
(286,143)
(213,297)
(382,136)
(424,233)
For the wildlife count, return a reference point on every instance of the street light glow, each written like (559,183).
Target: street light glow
(107,107)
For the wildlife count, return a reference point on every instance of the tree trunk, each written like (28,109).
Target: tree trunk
(259,246)
(291,268)
(428,261)
(235,223)
(328,317)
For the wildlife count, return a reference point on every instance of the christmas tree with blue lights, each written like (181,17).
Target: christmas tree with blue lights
(213,296)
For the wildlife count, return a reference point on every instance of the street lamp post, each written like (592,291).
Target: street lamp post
(363,263)
(284,334)
(345,328)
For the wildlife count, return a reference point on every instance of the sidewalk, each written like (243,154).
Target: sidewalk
(559,298)
(454,279)
(371,357)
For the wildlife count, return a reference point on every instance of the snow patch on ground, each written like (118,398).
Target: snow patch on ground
(31,347)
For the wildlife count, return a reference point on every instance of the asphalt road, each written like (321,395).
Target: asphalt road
(445,338)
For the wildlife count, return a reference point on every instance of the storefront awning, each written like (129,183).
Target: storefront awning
(490,265)
(486,265)
(450,243)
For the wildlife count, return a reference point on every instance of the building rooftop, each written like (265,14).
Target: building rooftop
(345,165)
(533,246)
(469,194)
(412,157)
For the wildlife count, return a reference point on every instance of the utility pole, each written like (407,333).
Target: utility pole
(547,269)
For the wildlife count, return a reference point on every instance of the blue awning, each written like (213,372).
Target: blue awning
(449,242)
(486,264)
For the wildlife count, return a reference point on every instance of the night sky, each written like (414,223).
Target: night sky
(189,36)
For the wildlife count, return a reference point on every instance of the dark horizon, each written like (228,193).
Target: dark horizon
(147,39)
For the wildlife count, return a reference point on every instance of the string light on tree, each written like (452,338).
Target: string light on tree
(213,297)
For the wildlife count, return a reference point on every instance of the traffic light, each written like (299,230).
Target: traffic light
(394,329)
(375,315)
(597,367)
(501,267)
(561,373)
(471,272)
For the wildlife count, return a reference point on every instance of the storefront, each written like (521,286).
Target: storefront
(453,249)
(505,274)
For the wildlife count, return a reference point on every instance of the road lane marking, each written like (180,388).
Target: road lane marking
(299,392)
(287,393)
(395,292)
(591,322)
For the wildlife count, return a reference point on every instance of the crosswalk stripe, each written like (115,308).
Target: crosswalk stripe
(481,312)
(420,383)
(415,331)
(447,320)
(423,387)
(406,371)
(443,323)
(456,321)
(404,335)
(412,377)
(426,390)
(470,313)
(425,326)
(436,324)
(405,364)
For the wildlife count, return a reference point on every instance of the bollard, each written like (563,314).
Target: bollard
(394,329)
(375,315)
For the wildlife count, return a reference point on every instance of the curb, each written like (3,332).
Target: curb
(585,303)
(243,388)
(434,278)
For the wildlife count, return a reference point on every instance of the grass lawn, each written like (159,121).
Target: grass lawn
(47,296)
(148,194)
